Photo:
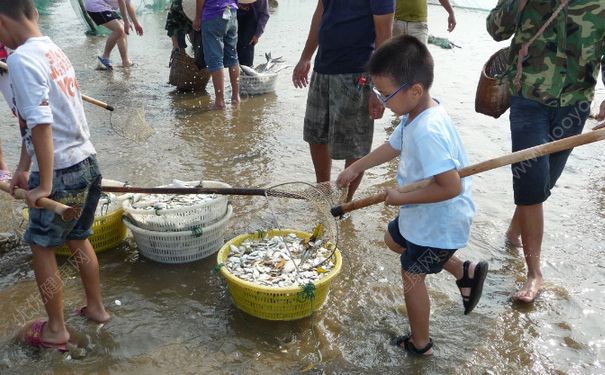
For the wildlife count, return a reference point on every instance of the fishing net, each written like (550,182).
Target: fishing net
(131,124)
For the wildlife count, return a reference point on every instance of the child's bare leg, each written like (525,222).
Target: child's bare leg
(118,36)
(391,244)
(218,81)
(234,79)
(454,266)
(513,233)
(88,266)
(418,307)
(50,286)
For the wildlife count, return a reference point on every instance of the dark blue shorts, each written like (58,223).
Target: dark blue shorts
(101,18)
(532,124)
(419,259)
(76,186)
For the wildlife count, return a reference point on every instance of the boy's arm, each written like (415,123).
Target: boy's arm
(446,185)
(42,139)
(21,175)
(197,22)
(300,75)
(379,156)
(133,17)
(451,19)
(124,14)
(502,20)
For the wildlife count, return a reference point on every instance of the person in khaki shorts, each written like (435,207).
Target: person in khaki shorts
(341,108)
(411,18)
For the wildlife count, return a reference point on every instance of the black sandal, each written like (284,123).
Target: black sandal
(475,284)
(408,346)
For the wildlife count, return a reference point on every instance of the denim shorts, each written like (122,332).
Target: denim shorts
(77,186)
(419,259)
(219,39)
(531,124)
(337,115)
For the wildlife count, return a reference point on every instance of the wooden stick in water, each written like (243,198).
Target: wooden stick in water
(67,213)
(515,157)
(86,98)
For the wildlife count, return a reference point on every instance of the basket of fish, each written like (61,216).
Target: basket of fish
(182,246)
(108,229)
(177,212)
(262,78)
(279,274)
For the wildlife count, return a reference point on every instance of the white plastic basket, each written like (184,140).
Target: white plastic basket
(180,247)
(254,85)
(179,219)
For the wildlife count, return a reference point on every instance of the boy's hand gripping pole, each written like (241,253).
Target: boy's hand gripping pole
(67,213)
(515,157)
(86,98)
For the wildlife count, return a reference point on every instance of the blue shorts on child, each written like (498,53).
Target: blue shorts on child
(77,186)
(416,258)
(219,41)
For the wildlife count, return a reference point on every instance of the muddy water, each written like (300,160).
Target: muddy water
(180,318)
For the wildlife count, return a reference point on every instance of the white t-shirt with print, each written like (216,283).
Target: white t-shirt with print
(46,91)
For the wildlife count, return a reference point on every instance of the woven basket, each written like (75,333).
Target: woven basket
(184,73)
(180,247)
(493,95)
(273,303)
(255,85)
(179,219)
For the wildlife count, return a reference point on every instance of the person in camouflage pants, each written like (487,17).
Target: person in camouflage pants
(550,99)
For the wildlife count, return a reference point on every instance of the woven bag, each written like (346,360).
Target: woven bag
(493,95)
(184,73)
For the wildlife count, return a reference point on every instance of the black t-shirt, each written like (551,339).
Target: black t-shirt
(346,34)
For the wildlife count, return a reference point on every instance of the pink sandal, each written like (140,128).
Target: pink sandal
(5,175)
(34,338)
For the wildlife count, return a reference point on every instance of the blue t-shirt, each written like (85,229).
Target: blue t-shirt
(429,146)
(346,34)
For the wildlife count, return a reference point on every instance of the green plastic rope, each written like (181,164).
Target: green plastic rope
(307,293)
(217,268)
(197,231)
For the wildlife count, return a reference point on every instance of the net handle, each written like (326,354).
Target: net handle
(515,157)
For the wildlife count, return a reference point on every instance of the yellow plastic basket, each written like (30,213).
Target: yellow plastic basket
(273,303)
(108,232)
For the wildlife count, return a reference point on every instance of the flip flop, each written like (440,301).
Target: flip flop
(34,338)
(475,284)
(409,347)
(81,311)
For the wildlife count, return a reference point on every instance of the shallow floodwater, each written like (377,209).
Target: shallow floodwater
(181,319)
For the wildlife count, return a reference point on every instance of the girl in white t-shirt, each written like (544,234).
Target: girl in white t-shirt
(103,12)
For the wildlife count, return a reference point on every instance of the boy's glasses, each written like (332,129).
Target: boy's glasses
(384,99)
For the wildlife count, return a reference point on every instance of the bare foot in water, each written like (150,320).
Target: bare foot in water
(514,239)
(530,290)
(235,100)
(98,315)
(127,64)
(219,105)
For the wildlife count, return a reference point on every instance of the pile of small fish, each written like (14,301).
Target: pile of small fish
(271,66)
(170,201)
(280,261)
(107,203)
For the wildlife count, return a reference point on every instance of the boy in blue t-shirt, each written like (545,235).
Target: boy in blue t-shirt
(434,221)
